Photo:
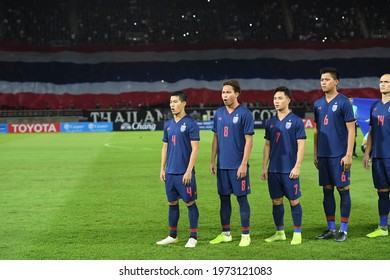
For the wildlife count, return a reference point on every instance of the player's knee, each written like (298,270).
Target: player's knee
(343,188)
(386,190)
(294,202)
(173,203)
(190,203)
(277,201)
(328,187)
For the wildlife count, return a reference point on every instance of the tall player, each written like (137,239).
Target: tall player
(334,137)
(178,156)
(377,142)
(232,143)
(284,149)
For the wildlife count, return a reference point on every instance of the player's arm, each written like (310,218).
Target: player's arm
(295,172)
(194,155)
(164,152)
(347,159)
(266,152)
(214,151)
(242,170)
(366,157)
(315,146)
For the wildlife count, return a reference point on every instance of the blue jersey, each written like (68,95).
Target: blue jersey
(331,119)
(231,130)
(380,133)
(179,135)
(283,136)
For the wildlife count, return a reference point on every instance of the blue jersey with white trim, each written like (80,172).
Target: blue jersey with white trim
(380,133)
(283,136)
(331,119)
(231,130)
(179,135)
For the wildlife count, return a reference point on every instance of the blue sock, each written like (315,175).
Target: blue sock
(193,216)
(330,208)
(225,212)
(383,208)
(296,213)
(245,213)
(278,214)
(173,219)
(345,209)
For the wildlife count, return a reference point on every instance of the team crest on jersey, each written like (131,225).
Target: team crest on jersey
(235,119)
(388,109)
(334,107)
(288,124)
(183,127)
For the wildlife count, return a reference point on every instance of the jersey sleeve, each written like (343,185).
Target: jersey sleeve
(165,135)
(194,131)
(315,111)
(371,109)
(266,134)
(249,124)
(215,129)
(348,112)
(300,129)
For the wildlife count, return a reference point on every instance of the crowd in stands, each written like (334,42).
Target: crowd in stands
(132,22)
(334,20)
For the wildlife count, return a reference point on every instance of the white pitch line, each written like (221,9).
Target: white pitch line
(109,145)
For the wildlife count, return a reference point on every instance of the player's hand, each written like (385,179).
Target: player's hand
(366,162)
(241,172)
(213,169)
(264,174)
(316,162)
(347,162)
(294,174)
(187,178)
(162,175)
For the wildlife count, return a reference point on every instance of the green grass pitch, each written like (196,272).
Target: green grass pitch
(97,196)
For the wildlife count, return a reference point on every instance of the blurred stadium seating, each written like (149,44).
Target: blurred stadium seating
(135,22)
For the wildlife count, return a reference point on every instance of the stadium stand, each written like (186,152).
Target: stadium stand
(101,25)
(131,22)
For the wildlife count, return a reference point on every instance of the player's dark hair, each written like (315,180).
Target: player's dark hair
(182,95)
(234,84)
(332,71)
(286,91)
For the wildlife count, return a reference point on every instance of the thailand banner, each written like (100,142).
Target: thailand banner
(363,112)
(144,76)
